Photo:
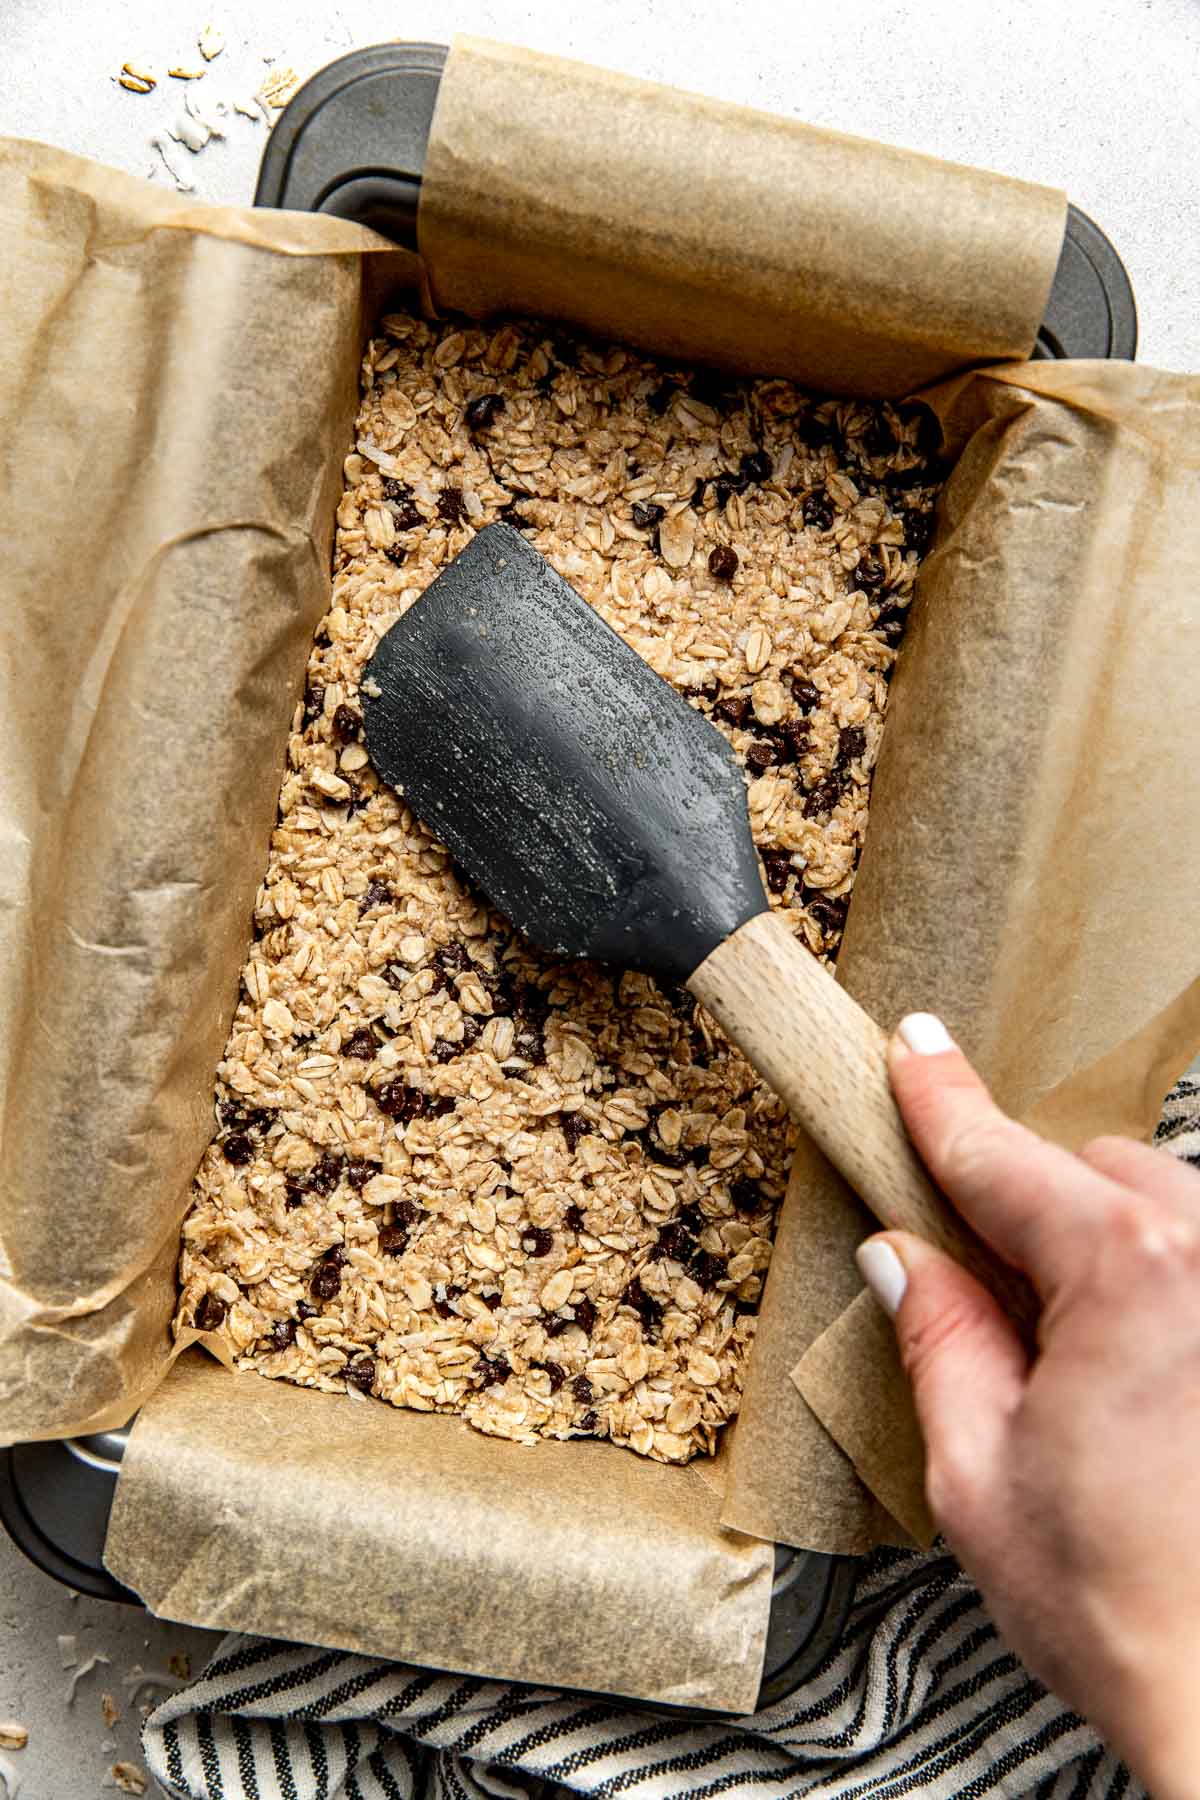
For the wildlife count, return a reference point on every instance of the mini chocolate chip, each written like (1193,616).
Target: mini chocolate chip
(891,624)
(451,505)
(406,517)
(585,1315)
(359,1173)
(723,562)
(759,758)
(324,1176)
(490,1371)
(537,1241)
(336,1256)
(397,976)
(557,1375)
(732,710)
(647,1308)
(745,1195)
(472,1029)
(375,893)
(705,1269)
(397,1100)
(305,1311)
(661,397)
(443,1308)
(443,1050)
(794,741)
(295,1192)
(818,510)
(824,797)
(209,1312)
(757,466)
(582,1389)
(807,694)
(361,1374)
(573,1127)
(698,492)
(237,1148)
(672,1241)
(529,1042)
(870,573)
(573,1217)
(452,959)
(512,515)
(314,703)
(360,1044)
(588,1422)
(691,1218)
(396,490)
(778,866)
(283,1334)
(491,1301)
(827,910)
(393,1240)
(396,554)
(852,743)
(441,1104)
(645,516)
(326,1281)
(482,410)
(346,724)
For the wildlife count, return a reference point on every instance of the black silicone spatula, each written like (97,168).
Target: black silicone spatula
(606,818)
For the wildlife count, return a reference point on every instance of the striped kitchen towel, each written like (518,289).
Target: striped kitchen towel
(920,1697)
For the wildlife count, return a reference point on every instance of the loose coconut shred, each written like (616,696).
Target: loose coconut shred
(450,1172)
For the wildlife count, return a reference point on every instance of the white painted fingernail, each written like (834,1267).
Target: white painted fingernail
(883,1273)
(925,1033)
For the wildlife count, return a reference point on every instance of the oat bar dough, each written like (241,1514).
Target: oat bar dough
(449,1172)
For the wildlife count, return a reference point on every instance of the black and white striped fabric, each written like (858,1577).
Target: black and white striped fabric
(920,1697)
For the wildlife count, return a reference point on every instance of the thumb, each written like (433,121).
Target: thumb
(967,1368)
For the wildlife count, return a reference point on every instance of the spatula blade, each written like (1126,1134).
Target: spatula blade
(595,808)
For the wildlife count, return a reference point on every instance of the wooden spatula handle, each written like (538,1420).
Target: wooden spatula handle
(826,1059)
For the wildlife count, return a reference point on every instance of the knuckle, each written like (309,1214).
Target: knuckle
(976,1150)
(931,1337)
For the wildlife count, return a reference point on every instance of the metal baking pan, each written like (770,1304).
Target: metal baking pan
(55,1499)
(352,142)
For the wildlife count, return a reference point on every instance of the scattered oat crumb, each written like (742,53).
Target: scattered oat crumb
(109,1710)
(137,80)
(180,1664)
(190,132)
(13,1735)
(278,88)
(210,43)
(129,1778)
(186,74)
(182,185)
(84,1668)
(68,1655)
(247,112)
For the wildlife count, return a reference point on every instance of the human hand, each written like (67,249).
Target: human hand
(1068,1486)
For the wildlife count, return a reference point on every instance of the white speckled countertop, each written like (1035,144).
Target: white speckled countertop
(1097,96)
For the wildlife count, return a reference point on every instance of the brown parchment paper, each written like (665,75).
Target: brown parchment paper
(711,231)
(568,1561)
(185,377)
(1034,844)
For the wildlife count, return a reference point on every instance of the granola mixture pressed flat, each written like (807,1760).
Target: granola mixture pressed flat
(448,1171)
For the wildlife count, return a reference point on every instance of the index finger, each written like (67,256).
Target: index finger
(1032,1201)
